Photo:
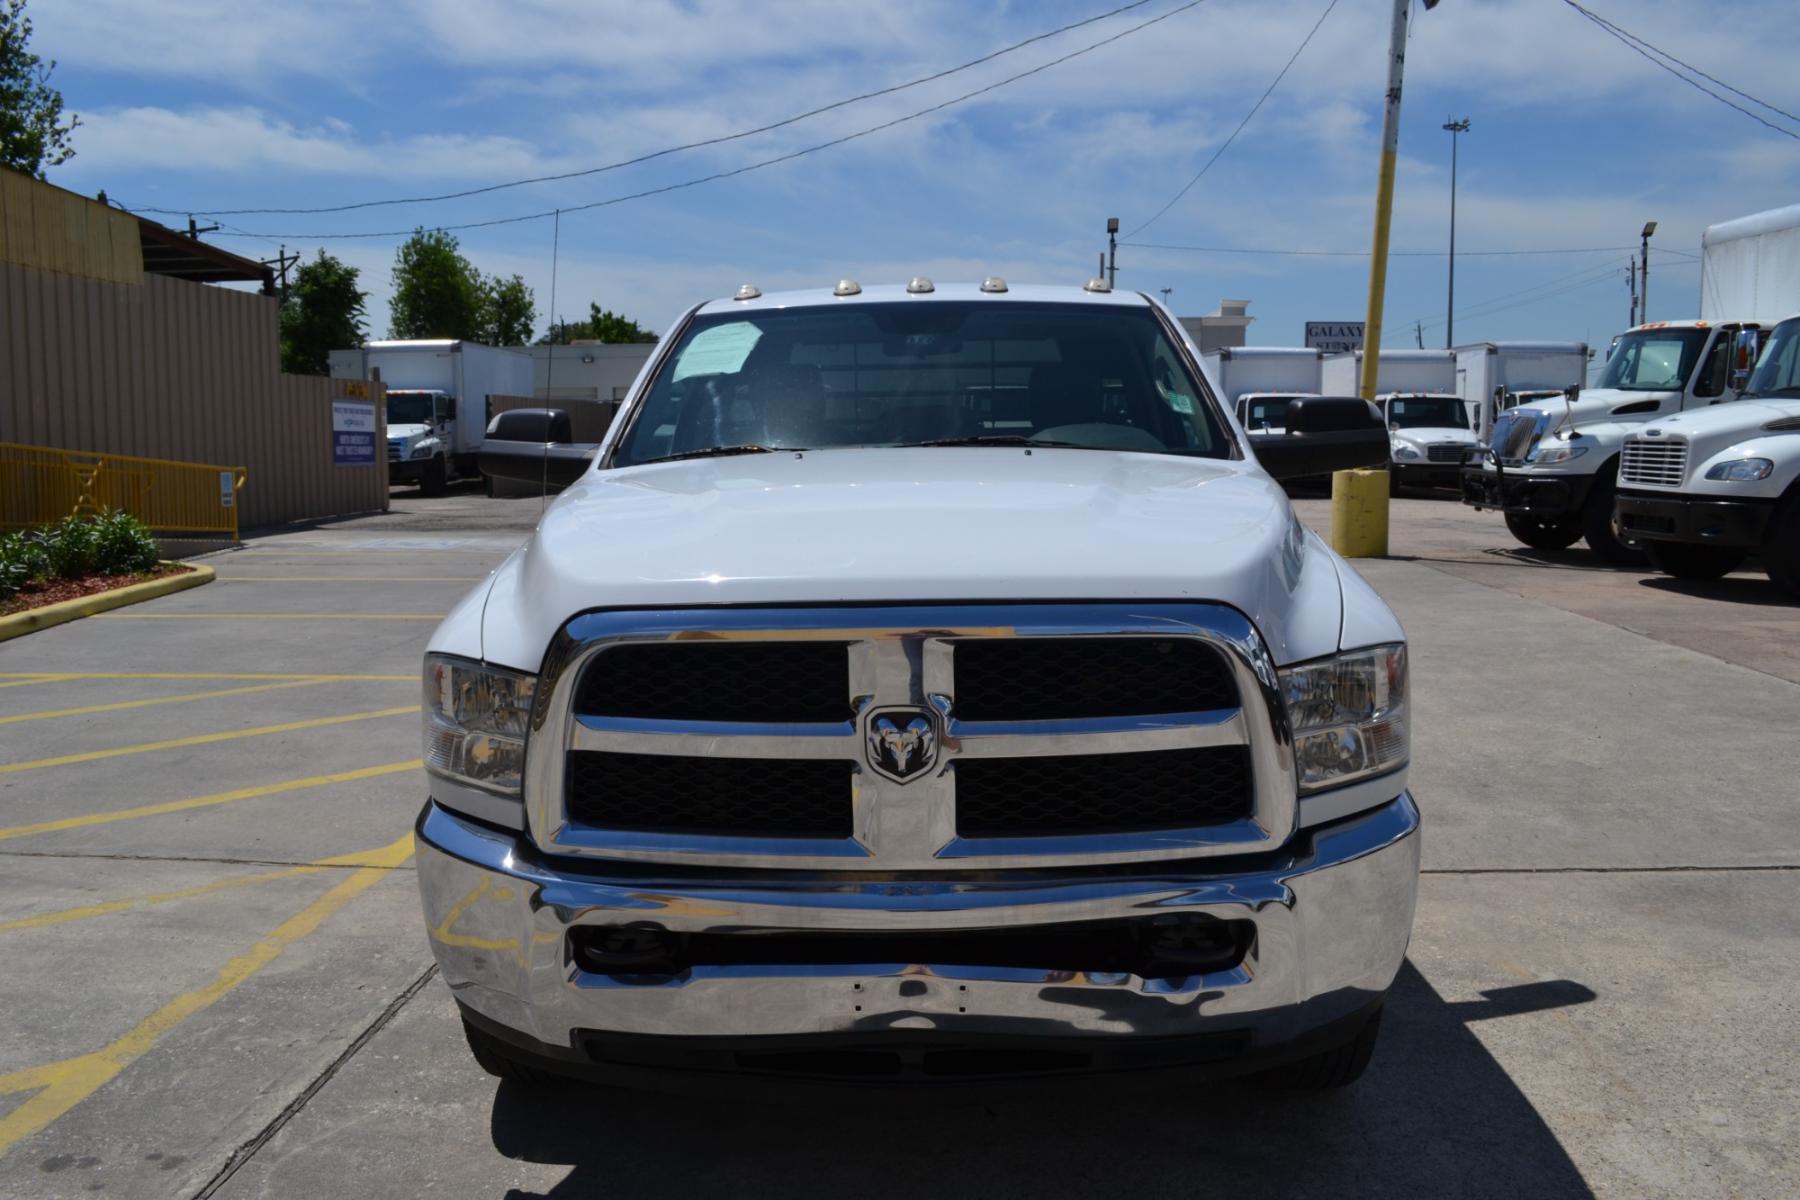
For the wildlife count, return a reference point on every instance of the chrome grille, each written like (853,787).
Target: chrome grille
(1514,432)
(1655,462)
(394,452)
(1445,452)
(1194,761)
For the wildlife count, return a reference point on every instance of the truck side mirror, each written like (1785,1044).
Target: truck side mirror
(1324,434)
(1743,357)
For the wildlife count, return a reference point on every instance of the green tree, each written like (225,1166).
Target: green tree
(437,292)
(602,325)
(33,134)
(508,311)
(323,312)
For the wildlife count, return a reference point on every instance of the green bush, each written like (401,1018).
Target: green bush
(113,543)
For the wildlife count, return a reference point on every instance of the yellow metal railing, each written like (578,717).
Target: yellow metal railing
(40,486)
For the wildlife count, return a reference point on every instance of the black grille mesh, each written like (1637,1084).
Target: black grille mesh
(781,682)
(1046,679)
(1102,793)
(742,797)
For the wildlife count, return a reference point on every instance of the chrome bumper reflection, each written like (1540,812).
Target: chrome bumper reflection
(1332,922)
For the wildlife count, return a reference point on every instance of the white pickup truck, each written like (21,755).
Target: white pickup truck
(1551,467)
(1705,490)
(923,684)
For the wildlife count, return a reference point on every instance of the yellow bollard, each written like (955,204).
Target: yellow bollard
(1359,513)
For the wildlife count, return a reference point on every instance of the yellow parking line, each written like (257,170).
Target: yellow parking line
(202,739)
(218,616)
(350,578)
(201,675)
(172,806)
(183,698)
(108,907)
(60,1086)
(35,679)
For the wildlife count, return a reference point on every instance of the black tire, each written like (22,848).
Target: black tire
(1781,552)
(1685,561)
(1542,534)
(503,1062)
(1599,525)
(1394,487)
(436,479)
(1340,1066)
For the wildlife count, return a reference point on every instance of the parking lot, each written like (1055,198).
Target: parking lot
(219,983)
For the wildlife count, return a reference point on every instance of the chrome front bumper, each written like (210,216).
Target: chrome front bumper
(1332,914)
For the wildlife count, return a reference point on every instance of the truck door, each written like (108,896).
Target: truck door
(1714,377)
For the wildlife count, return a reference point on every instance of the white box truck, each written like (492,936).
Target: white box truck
(437,401)
(1750,268)
(1492,377)
(1258,381)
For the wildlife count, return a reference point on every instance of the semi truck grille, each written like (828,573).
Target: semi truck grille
(1513,434)
(911,738)
(1445,452)
(1042,679)
(781,682)
(744,797)
(393,452)
(1102,793)
(1659,462)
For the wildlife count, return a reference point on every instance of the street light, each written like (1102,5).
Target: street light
(1454,128)
(1644,273)
(1112,248)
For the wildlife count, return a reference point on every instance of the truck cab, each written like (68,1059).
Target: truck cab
(925,683)
(1704,490)
(1266,412)
(1551,468)
(421,432)
(1429,436)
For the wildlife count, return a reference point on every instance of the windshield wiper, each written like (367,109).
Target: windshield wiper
(1000,439)
(721,452)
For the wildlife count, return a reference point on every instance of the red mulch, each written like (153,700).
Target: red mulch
(55,591)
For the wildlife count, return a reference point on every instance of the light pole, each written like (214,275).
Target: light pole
(1165,292)
(1454,128)
(1644,274)
(1112,250)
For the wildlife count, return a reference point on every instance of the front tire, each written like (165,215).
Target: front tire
(1542,534)
(1685,561)
(436,479)
(1781,552)
(1599,526)
(503,1062)
(1328,1070)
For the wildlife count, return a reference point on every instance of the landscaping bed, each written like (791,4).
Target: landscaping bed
(55,591)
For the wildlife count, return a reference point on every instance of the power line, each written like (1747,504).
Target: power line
(755,166)
(1365,253)
(1226,144)
(644,158)
(1648,52)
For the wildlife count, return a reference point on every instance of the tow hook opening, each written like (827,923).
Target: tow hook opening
(1167,946)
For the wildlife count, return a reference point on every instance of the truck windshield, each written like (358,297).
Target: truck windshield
(1270,411)
(1421,412)
(1654,360)
(1778,370)
(920,373)
(409,408)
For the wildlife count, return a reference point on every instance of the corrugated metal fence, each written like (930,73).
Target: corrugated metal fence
(175,370)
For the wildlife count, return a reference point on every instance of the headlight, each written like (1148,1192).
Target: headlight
(1742,470)
(422,451)
(1559,453)
(1348,715)
(476,718)
(1405,453)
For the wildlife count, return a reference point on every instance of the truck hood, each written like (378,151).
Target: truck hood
(397,433)
(1720,423)
(1418,436)
(915,525)
(1602,405)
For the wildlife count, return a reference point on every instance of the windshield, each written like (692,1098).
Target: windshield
(1778,371)
(1654,360)
(1265,410)
(409,408)
(1098,377)
(1419,412)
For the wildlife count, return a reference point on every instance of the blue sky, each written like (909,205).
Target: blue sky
(1576,141)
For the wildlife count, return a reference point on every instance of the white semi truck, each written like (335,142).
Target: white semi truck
(1492,377)
(437,400)
(1259,381)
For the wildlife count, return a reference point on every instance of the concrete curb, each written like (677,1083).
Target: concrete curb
(34,619)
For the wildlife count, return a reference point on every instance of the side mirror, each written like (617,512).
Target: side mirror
(1324,434)
(533,446)
(1744,349)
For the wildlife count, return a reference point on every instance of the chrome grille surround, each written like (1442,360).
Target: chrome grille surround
(1446,452)
(902,655)
(1654,461)
(1516,432)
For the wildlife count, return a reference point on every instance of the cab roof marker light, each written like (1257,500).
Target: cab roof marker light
(748,291)
(847,287)
(993,283)
(919,285)
(1097,285)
